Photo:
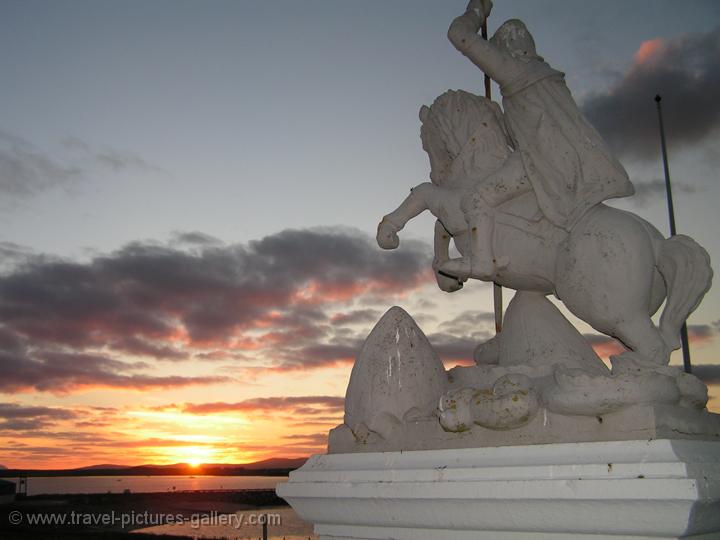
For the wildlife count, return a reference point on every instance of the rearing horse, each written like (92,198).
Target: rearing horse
(613,269)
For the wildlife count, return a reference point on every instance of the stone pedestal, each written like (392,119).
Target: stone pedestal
(639,490)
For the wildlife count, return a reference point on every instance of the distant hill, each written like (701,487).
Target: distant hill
(3,467)
(267,467)
(105,466)
(277,463)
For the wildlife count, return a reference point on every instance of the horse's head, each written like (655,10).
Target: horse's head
(463,135)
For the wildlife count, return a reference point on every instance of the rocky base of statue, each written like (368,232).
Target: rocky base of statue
(538,382)
(630,490)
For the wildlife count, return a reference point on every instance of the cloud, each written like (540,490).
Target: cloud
(686,72)
(470,322)
(322,354)
(314,440)
(709,373)
(358,316)
(25,170)
(303,405)
(160,292)
(194,238)
(67,372)
(699,333)
(12,254)
(457,339)
(109,159)
(604,346)
(268,298)
(453,349)
(15,417)
(650,189)
(140,347)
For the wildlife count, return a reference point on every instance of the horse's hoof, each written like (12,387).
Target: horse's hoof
(387,237)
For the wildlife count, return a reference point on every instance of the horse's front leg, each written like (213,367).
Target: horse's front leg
(413,205)
(446,282)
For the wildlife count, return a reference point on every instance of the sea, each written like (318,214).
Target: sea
(144,484)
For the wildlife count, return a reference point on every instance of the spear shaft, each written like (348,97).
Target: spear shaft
(687,366)
(497,289)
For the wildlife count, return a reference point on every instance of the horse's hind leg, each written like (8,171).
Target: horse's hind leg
(605,277)
(640,334)
(628,320)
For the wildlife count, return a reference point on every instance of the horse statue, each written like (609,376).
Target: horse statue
(612,269)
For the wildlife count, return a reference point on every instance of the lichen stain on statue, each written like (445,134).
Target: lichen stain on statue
(520,192)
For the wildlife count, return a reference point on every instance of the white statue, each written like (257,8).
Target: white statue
(520,191)
(539,207)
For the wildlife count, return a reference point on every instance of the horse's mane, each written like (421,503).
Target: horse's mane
(456,116)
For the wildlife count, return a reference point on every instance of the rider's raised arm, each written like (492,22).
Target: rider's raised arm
(497,64)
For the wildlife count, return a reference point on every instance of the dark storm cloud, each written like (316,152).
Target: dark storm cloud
(166,303)
(686,72)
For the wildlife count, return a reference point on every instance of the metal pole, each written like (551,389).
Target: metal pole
(673,231)
(497,289)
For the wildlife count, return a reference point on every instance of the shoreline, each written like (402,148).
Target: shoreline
(121,513)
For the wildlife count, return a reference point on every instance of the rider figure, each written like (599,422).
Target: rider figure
(558,154)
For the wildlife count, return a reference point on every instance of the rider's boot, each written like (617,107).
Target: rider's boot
(480,262)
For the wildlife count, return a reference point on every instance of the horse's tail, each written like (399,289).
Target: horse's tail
(685,267)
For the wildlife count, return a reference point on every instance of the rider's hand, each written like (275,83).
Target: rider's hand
(387,237)
(481,7)
(467,25)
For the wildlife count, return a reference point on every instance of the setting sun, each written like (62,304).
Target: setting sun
(195,455)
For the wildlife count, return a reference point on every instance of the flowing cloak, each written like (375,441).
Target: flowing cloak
(566,160)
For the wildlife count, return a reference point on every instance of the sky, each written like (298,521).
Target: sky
(189,193)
